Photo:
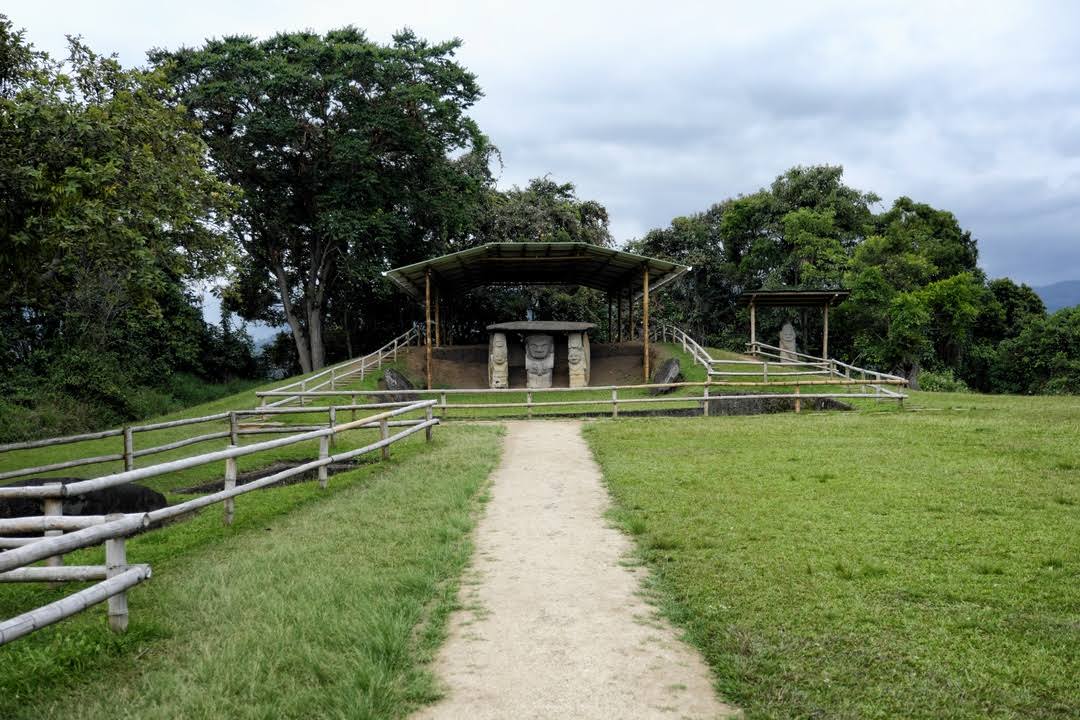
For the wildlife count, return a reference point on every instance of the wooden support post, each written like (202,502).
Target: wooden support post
(428,416)
(798,400)
(618,321)
(324,452)
(438,320)
(427,324)
(234,429)
(442,400)
(129,449)
(384,431)
(610,330)
(230,483)
(54,507)
(332,413)
(630,314)
(645,317)
(705,405)
(614,402)
(116,563)
(753,328)
(825,335)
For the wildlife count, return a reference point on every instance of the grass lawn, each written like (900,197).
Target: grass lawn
(917,564)
(313,604)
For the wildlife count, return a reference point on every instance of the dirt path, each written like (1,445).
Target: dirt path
(553,626)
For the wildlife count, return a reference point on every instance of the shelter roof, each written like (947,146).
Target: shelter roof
(793,298)
(537,263)
(542,326)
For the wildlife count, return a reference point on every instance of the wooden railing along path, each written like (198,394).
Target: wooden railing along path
(116,576)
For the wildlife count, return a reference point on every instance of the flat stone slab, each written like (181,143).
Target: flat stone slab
(542,326)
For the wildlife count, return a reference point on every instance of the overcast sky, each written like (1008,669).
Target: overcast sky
(661,109)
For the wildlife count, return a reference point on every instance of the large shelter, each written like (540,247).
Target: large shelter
(823,299)
(621,275)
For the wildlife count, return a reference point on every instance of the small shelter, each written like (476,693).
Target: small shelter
(794,298)
(622,275)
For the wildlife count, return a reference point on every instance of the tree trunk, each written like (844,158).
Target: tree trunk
(318,351)
(303,350)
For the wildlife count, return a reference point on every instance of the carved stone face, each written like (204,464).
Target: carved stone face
(498,348)
(575,351)
(538,349)
(787,333)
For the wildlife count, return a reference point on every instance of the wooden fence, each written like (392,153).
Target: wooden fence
(116,576)
(356,367)
(799,380)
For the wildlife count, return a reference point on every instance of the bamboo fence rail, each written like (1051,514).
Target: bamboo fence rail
(117,576)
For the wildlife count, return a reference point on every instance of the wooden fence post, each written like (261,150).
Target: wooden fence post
(798,400)
(229,506)
(442,399)
(765,372)
(528,404)
(705,405)
(395,348)
(427,414)
(354,407)
(332,422)
(333,378)
(303,388)
(116,563)
(324,452)
(129,448)
(234,430)
(614,402)
(54,507)
(384,430)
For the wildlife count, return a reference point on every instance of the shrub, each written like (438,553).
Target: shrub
(941,381)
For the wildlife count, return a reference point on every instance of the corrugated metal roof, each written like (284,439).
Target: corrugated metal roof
(537,264)
(793,298)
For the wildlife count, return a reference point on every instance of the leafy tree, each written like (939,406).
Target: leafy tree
(544,211)
(353,157)
(105,200)
(1044,358)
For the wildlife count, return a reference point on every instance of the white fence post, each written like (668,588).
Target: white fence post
(229,505)
(116,563)
(54,507)
(384,431)
(324,452)
(614,402)
(129,449)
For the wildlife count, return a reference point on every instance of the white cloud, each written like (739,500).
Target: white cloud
(658,110)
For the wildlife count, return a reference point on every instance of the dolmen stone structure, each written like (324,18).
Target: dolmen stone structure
(539,341)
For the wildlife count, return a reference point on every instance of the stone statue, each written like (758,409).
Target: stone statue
(539,360)
(787,343)
(498,361)
(577,357)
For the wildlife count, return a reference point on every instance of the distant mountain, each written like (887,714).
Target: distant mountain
(1060,294)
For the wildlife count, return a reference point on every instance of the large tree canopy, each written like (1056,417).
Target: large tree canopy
(106,213)
(353,156)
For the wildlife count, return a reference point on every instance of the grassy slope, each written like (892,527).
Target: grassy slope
(243,400)
(315,603)
(862,565)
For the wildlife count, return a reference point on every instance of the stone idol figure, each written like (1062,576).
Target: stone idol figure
(577,357)
(539,360)
(787,342)
(498,361)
